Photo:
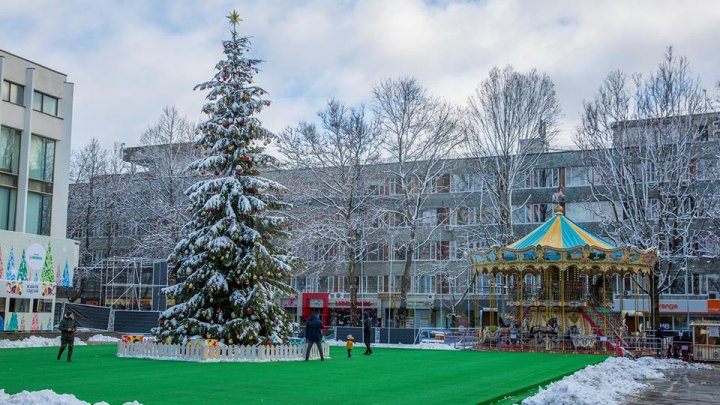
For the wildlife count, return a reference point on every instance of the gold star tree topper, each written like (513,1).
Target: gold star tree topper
(234,18)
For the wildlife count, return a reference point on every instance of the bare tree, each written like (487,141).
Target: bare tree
(651,161)
(159,179)
(96,209)
(510,120)
(87,167)
(335,157)
(418,134)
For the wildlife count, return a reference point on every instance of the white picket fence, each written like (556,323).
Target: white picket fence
(194,352)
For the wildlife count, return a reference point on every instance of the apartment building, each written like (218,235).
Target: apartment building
(35,133)
(454,224)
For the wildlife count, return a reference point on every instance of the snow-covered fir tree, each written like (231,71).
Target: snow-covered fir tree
(232,270)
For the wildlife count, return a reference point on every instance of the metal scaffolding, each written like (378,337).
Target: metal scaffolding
(125,282)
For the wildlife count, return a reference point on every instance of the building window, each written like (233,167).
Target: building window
(442,250)
(592,211)
(464,216)
(40,185)
(38,213)
(42,158)
(443,216)
(45,103)
(376,252)
(532,213)
(461,182)
(400,251)
(9,150)
(442,184)
(8,201)
(546,178)
(581,176)
(9,161)
(13,93)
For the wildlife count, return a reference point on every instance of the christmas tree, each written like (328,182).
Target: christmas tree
(35,326)
(22,270)
(48,275)
(12,325)
(66,282)
(49,325)
(2,266)
(234,272)
(22,324)
(10,269)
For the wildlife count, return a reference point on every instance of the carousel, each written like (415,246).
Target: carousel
(554,289)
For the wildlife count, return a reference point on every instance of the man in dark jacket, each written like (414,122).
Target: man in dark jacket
(67,328)
(367,334)
(313,335)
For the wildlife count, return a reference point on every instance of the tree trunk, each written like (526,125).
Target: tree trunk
(353,288)
(655,298)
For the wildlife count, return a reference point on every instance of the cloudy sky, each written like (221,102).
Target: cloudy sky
(130,58)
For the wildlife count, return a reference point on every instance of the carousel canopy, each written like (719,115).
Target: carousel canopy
(561,233)
(562,243)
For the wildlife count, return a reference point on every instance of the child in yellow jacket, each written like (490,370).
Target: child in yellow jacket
(349,345)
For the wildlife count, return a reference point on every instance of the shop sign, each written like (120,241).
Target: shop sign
(385,296)
(668,306)
(713,306)
(346,303)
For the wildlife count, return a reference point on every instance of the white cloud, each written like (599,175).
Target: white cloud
(129,59)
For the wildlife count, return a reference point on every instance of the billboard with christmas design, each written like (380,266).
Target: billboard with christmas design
(32,266)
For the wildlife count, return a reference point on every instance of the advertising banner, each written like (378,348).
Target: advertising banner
(32,266)
(28,322)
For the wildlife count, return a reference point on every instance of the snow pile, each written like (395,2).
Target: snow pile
(47,397)
(606,382)
(35,341)
(425,345)
(103,339)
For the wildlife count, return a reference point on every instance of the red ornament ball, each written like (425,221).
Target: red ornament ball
(249,311)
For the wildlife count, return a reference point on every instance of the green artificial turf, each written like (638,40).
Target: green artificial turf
(388,376)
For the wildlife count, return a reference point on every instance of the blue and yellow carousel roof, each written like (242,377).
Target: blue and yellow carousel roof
(561,233)
(561,242)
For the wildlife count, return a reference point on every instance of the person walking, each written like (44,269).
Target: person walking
(367,334)
(313,335)
(67,339)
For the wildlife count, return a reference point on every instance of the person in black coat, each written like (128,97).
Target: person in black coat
(367,334)
(313,335)
(67,328)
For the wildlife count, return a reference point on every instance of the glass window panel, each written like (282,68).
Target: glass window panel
(6,91)
(8,201)
(50,105)
(42,156)
(38,214)
(37,101)
(16,93)
(9,149)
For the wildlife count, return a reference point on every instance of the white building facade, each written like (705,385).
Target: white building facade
(35,133)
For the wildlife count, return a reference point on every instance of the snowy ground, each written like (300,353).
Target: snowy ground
(103,339)
(34,341)
(47,397)
(606,382)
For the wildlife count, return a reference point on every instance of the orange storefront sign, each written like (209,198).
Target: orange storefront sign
(713,306)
